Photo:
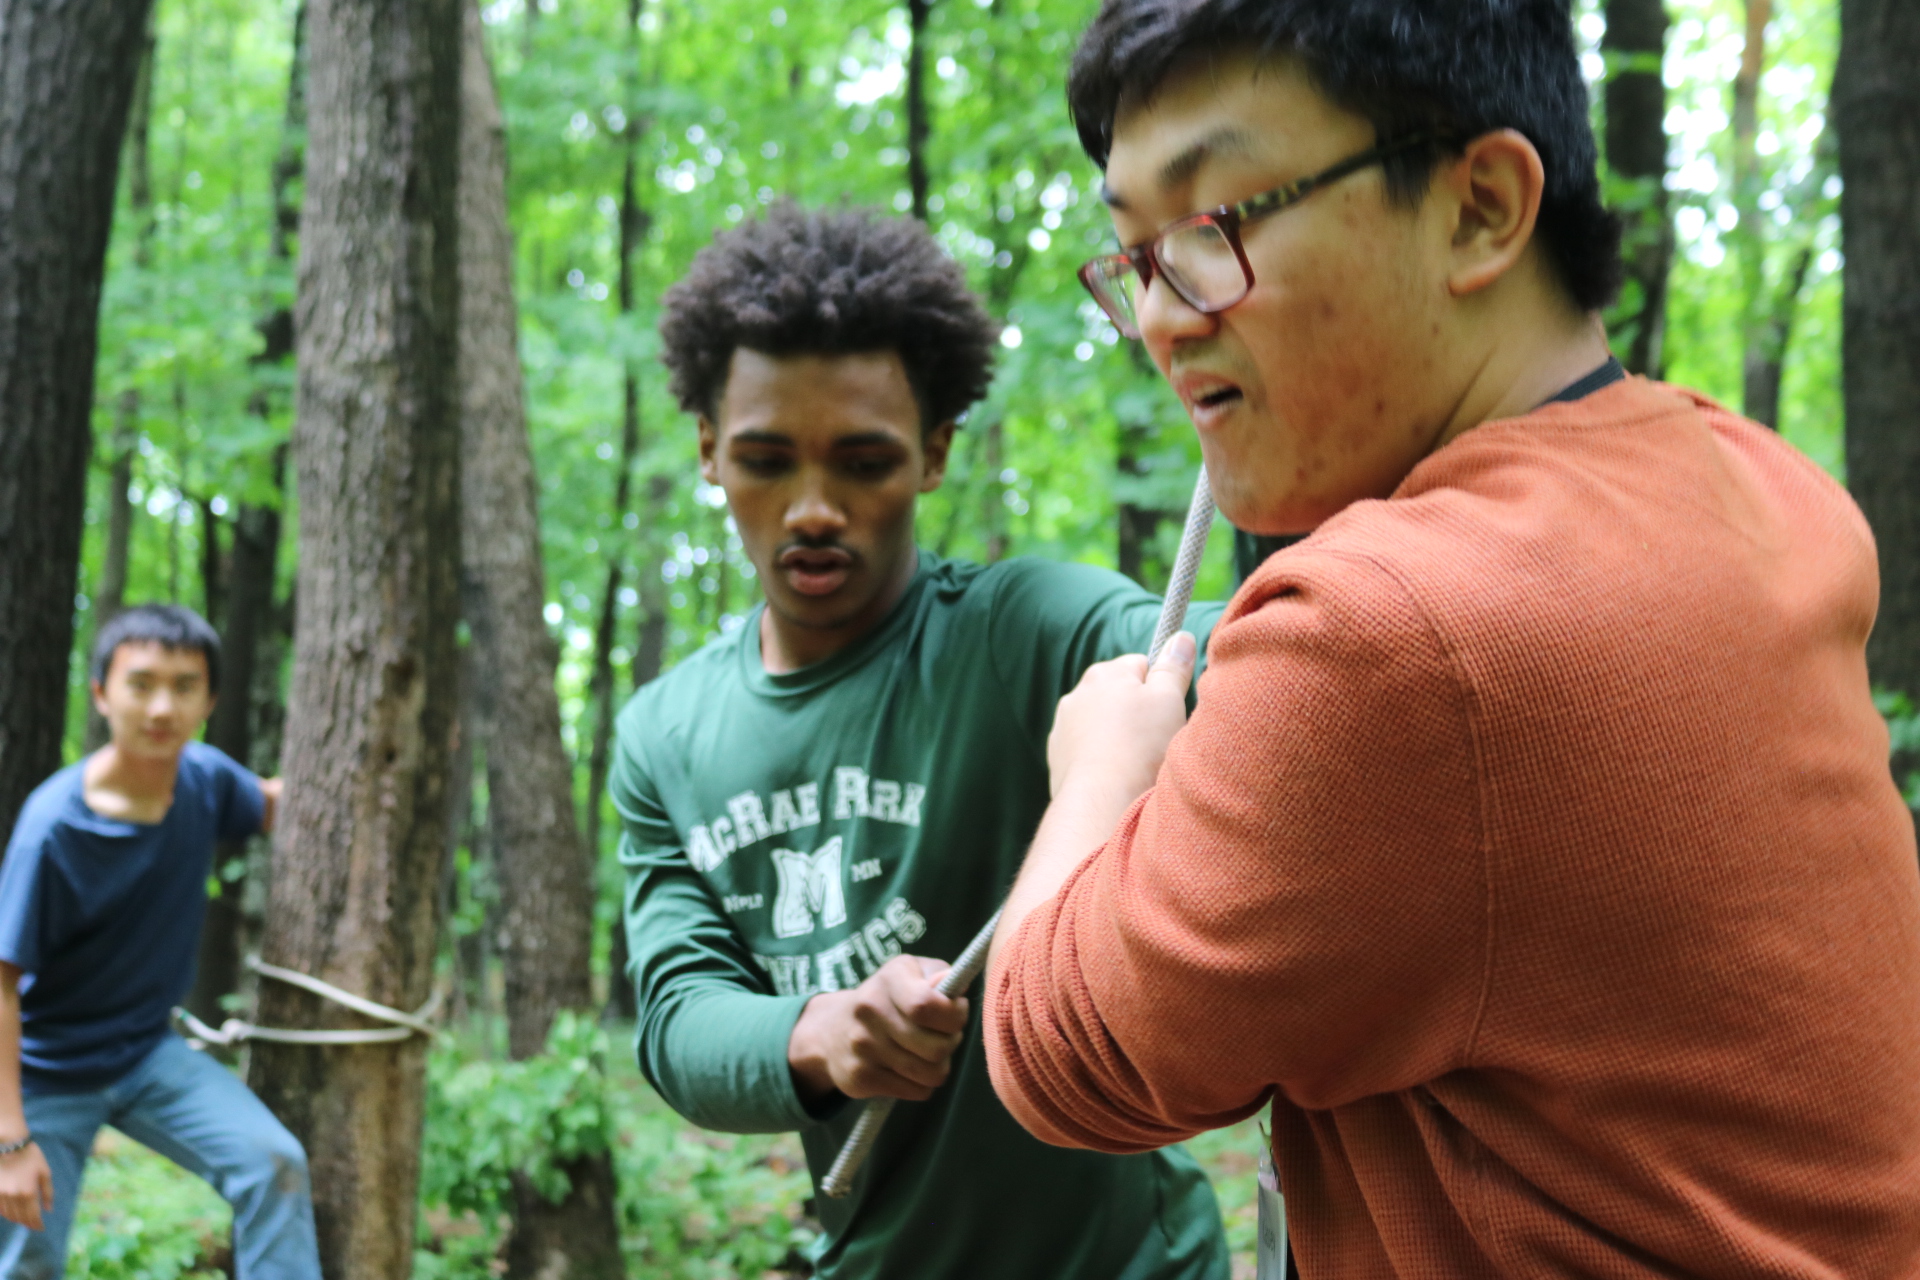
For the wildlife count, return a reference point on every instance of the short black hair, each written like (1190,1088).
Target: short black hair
(171,626)
(1451,68)
(829,282)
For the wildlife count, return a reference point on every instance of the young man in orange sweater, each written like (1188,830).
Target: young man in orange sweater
(1533,847)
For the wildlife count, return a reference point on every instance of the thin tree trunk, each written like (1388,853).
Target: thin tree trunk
(247,640)
(649,658)
(1763,362)
(67,72)
(650,653)
(249,618)
(600,673)
(376,452)
(185,460)
(1636,106)
(1137,524)
(213,587)
(112,595)
(634,224)
(995,505)
(459,824)
(111,598)
(917,126)
(1876,109)
(288,162)
(546,885)
(1750,236)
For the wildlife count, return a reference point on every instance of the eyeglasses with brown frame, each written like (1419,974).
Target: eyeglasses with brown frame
(1200,256)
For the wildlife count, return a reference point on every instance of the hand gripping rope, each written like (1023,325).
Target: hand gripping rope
(233,1031)
(1173,612)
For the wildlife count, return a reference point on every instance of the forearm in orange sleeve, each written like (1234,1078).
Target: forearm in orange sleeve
(1299,903)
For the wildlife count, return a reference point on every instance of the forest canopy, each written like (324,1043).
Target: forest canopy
(726,107)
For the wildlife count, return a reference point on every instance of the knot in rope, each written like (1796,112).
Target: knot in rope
(237,1031)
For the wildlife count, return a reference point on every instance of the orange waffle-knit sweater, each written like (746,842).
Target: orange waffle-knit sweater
(1534,849)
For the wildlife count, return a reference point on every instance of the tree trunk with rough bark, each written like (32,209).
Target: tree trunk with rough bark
(545,924)
(358,848)
(67,72)
(1636,107)
(1876,109)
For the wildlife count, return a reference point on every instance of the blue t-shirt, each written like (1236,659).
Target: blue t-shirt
(103,917)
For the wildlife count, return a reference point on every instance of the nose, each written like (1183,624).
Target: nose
(813,514)
(1165,318)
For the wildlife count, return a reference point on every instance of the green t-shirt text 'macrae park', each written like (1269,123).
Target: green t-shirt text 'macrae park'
(787,834)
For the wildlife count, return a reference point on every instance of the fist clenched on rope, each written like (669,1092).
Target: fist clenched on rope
(1112,731)
(893,1036)
(1109,736)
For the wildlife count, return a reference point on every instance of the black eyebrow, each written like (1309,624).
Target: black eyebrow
(852,440)
(1227,138)
(867,439)
(760,436)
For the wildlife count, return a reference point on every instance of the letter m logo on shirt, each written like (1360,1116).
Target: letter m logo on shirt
(809,887)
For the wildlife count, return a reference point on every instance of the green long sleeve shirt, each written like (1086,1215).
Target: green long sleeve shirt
(787,834)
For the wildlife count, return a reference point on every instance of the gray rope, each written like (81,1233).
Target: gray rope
(1173,614)
(236,1031)
(859,1143)
(1186,566)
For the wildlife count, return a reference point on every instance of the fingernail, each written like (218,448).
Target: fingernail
(1183,648)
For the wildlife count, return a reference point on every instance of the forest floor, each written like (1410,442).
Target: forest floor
(695,1206)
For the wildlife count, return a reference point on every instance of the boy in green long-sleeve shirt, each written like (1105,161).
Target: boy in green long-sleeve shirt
(822,800)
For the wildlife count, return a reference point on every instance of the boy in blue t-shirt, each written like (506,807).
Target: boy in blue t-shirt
(101,899)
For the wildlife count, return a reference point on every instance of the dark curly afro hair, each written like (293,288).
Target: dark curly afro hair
(829,282)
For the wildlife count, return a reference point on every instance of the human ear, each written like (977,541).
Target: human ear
(935,445)
(709,451)
(1495,188)
(99,698)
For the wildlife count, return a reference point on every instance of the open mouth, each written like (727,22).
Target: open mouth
(815,571)
(1208,396)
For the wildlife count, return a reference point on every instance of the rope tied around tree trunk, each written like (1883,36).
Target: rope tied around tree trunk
(236,1031)
(1173,614)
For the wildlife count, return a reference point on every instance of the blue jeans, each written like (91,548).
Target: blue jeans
(195,1112)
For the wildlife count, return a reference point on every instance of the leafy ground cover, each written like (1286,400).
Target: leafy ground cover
(144,1218)
(694,1205)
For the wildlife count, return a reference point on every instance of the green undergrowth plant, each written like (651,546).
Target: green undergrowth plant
(693,1205)
(142,1217)
(487,1120)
